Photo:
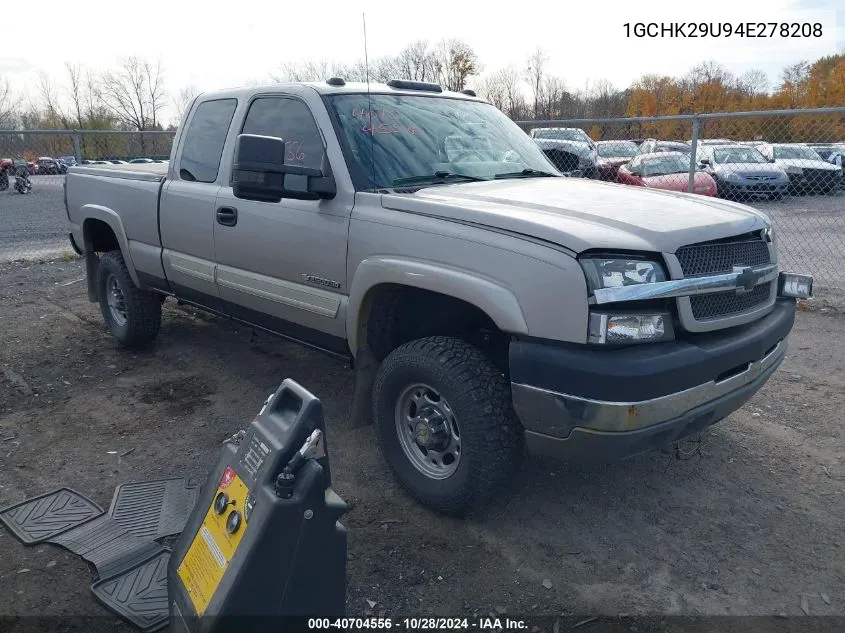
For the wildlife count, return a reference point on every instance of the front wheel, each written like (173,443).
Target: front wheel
(4,182)
(445,423)
(132,315)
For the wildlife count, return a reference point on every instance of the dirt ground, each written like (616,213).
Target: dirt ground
(752,518)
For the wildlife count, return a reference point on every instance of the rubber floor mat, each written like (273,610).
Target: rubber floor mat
(153,509)
(138,594)
(107,545)
(49,515)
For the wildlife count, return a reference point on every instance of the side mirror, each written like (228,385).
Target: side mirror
(259,172)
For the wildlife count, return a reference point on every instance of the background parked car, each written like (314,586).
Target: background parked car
(569,148)
(612,155)
(651,146)
(742,172)
(118,162)
(808,173)
(137,161)
(714,141)
(838,158)
(826,150)
(665,170)
(48,166)
(69,161)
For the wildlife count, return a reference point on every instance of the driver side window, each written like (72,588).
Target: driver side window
(291,120)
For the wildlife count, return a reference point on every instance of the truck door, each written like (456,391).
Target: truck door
(187,206)
(282,265)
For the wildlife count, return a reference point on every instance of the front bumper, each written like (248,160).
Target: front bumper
(815,182)
(753,188)
(593,404)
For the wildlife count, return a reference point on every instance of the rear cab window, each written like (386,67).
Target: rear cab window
(202,149)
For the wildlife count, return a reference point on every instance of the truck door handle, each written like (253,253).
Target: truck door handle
(227,216)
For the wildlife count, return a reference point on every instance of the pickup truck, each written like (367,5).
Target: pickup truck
(490,306)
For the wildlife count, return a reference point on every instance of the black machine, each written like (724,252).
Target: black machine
(263,549)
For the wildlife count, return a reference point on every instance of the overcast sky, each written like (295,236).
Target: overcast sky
(222,44)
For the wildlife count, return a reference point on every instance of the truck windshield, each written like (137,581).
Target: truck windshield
(399,139)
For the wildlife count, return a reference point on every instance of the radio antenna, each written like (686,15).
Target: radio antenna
(369,103)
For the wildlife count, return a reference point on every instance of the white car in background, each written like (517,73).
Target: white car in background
(807,171)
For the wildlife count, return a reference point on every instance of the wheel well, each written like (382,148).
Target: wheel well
(396,314)
(99,237)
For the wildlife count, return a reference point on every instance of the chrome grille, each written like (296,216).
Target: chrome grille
(713,258)
(721,304)
(719,257)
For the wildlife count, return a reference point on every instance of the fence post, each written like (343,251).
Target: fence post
(77,146)
(696,123)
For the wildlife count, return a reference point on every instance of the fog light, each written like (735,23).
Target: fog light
(630,328)
(795,285)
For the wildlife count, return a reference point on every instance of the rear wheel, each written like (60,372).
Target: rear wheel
(132,315)
(445,423)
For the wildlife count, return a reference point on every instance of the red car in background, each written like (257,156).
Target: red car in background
(612,155)
(665,170)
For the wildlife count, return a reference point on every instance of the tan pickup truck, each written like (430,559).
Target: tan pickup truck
(489,304)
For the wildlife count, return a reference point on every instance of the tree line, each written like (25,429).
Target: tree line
(133,96)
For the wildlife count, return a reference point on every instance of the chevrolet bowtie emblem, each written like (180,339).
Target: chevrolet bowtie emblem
(747,278)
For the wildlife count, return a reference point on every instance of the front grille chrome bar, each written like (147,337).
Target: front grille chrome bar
(742,279)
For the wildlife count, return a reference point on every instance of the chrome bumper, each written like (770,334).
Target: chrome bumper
(560,412)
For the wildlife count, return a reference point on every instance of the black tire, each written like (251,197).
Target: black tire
(142,309)
(491,439)
(4,182)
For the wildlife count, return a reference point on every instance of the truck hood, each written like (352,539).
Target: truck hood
(581,214)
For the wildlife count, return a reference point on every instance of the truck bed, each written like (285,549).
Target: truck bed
(125,197)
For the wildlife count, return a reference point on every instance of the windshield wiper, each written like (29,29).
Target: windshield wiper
(436,177)
(526,173)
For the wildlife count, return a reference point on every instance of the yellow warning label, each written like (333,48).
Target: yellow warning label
(215,543)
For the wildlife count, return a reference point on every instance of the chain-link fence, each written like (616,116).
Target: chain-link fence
(34,225)
(788,164)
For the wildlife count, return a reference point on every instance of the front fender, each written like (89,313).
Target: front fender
(499,303)
(110,217)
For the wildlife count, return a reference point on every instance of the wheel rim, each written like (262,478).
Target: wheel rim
(116,300)
(428,431)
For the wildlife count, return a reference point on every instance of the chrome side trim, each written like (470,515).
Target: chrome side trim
(192,266)
(741,280)
(556,414)
(287,293)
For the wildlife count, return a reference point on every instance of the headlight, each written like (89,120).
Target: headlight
(630,328)
(614,273)
(732,177)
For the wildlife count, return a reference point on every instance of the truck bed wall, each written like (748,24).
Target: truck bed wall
(128,201)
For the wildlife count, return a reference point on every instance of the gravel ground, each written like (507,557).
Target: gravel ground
(810,229)
(747,523)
